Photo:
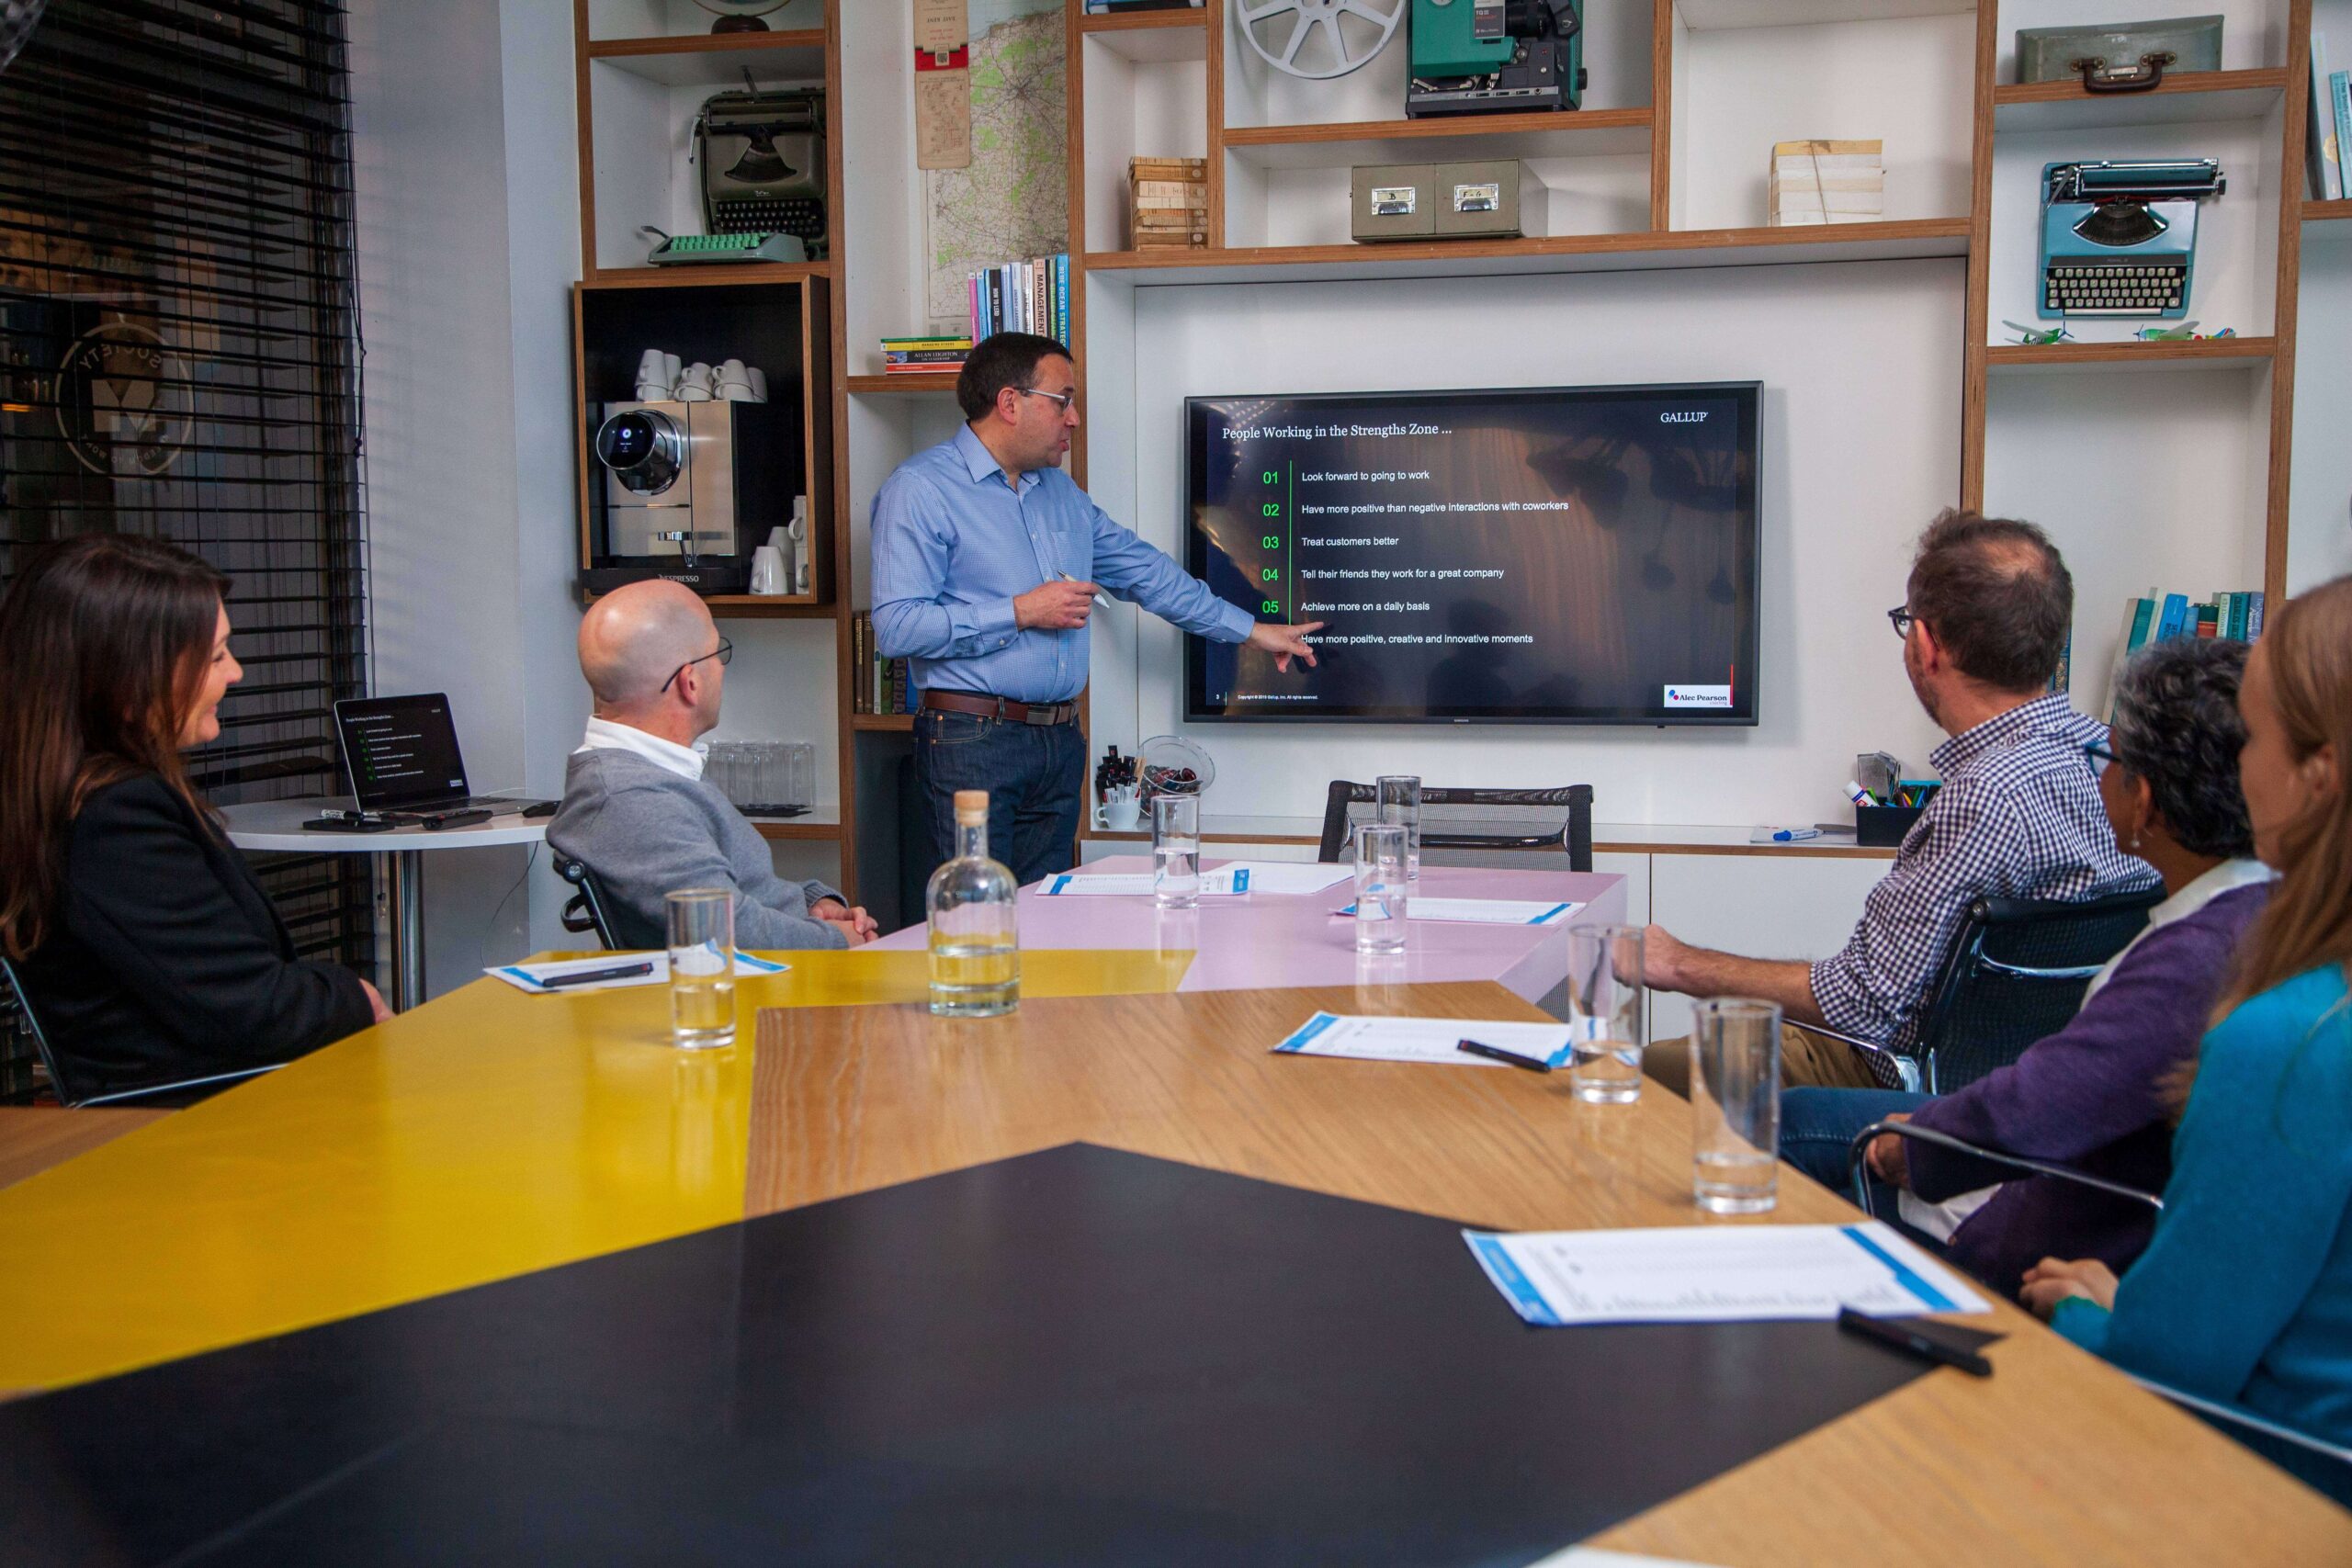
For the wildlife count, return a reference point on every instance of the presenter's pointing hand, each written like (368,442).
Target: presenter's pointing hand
(1284,642)
(1054,606)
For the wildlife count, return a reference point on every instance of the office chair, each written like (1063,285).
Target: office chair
(2321,1464)
(1471,819)
(74,1093)
(585,911)
(2016,972)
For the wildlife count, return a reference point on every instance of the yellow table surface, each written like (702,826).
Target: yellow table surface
(484,1135)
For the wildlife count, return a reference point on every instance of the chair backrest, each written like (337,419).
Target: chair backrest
(71,1090)
(2016,972)
(586,910)
(1468,827)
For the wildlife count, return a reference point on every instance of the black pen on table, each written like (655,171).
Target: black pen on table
(590,977)
(1497,1054)
(1894,1333)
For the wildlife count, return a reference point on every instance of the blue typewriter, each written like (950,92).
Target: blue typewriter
(2119,239)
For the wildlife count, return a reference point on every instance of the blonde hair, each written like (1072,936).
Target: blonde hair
(2308,921)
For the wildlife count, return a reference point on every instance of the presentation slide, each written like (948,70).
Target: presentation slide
(1556,556)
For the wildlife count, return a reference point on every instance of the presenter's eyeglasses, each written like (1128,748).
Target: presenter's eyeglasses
(724,653)
(1064,399)
(1901,618)
(2100,757)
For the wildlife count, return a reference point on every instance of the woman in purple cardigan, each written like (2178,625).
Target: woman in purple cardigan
(2090,1097)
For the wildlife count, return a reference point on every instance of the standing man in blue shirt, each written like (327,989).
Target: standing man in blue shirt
(986,558)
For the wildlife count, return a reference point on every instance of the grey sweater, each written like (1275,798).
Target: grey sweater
(646,832)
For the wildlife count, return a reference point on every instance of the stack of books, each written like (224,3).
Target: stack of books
(2330,123)
(924,355)
(1167,204)
(2160,615)
(1827,182)
(876,685)
(1030,296)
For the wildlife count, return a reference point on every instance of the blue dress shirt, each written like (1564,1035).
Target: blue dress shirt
(953,545)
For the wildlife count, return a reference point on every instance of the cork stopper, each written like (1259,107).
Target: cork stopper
(972,807)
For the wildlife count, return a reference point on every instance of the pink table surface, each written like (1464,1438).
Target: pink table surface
(1260,940)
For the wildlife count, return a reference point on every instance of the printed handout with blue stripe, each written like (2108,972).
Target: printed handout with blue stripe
(1423,1040)
(1487,911)
(1716,1274)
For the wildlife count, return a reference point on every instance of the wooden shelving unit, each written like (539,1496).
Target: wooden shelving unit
(2235,351)
(1169,84)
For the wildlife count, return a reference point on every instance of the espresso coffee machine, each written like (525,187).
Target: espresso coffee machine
(685,489)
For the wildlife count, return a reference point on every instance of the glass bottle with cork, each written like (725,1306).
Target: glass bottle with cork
(975,947)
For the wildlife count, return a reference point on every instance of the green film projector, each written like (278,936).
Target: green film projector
(1492,56)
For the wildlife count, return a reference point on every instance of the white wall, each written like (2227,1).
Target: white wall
(2319,535)
(468,231)
(1862,375)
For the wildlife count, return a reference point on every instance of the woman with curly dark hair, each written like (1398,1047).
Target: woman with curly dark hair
(148,951)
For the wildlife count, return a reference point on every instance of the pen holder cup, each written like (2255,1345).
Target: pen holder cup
(1883,826)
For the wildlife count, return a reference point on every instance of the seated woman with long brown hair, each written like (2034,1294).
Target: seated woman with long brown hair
(149,953)
(2244,1294)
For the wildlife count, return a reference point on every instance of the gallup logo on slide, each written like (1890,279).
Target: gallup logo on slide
(1698,417)
(1697,696)
(123,402)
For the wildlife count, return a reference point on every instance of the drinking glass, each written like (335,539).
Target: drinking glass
(1400,806)
(1380,887)
(800,770)
(1176,851)
(702,966)
(1734,1104)
(1608,1016)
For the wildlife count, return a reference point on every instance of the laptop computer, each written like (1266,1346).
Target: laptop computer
(401,754)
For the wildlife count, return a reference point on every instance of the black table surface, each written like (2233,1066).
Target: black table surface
(1077,1356)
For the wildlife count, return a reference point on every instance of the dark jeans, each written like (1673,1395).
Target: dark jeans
(1036,776)
(1817,1128)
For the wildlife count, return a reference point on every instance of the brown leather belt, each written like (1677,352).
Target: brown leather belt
(1001,707)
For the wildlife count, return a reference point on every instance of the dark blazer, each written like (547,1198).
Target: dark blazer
(167,960)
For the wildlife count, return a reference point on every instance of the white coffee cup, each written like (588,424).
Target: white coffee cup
(650,392)
(1122,812)
(759,384)
(650,366)
(671,368)
(694,384)
(767,570)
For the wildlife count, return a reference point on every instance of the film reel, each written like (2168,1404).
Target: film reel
(1320,39)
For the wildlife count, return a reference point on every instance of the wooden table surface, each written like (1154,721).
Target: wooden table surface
(34,1137)
(2056,1459)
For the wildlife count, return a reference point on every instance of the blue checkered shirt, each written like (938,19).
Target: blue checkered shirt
(2018,817)
(953,544)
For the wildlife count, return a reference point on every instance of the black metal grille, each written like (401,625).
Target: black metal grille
(179,356)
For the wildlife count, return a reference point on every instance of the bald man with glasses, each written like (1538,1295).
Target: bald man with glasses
(637,810)
(988,560)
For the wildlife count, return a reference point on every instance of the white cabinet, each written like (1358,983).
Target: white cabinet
(1783,905)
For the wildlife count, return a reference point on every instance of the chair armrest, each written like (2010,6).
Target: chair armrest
(125,1096)
(1863,1139)
(2247,1421)
(1882,1063)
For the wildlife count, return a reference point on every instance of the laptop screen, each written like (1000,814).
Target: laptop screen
(400,752)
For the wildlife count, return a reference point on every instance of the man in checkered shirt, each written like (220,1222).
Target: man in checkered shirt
(1984,624)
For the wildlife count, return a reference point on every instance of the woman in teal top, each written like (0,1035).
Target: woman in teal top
(2244,1295)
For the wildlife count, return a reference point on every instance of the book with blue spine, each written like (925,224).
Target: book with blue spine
(2175,619)
(2339,91)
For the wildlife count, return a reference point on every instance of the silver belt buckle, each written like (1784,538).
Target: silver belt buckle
(1042,714)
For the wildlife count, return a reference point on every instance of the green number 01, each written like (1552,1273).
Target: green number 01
(1269,477)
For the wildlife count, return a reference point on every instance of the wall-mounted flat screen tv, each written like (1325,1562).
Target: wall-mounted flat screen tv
(1566,555)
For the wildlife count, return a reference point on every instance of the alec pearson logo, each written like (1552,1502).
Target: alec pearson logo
(1697,696)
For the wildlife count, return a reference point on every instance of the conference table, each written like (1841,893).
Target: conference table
(508,1277)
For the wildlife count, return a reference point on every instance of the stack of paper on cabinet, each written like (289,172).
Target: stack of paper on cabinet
(1827,182)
